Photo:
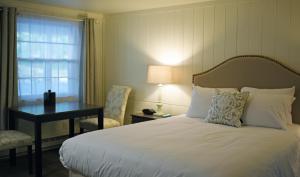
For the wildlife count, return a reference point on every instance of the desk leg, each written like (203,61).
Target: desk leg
(12,157)
(12,126)
(100,119)
(38,149)
(71,128)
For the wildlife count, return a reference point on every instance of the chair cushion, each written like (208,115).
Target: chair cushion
(92,123)
(10,139)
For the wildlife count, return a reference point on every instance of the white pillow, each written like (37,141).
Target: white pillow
(201,100)
(267,110)
(284,91)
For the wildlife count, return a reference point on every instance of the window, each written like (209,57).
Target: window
(48,55)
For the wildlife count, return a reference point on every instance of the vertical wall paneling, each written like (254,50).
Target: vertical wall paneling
(219,34)
(294,42)
(243,28)
(283,29)
(268,27)
(195,38)
(198,40)
(255,27)
(188,36)
(208,50)
(230,30)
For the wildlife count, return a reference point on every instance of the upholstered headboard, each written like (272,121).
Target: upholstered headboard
(252,71)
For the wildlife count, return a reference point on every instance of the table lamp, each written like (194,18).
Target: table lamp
(159,75)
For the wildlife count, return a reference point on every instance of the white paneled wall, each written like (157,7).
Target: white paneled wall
(195,38)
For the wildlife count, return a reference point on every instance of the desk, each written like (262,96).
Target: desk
(38,114)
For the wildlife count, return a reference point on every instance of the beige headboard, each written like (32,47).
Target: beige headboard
(252,71)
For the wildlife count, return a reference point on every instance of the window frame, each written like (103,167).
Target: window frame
(47,73)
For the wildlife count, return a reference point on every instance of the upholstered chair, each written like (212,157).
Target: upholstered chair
(114,110)
(11,139)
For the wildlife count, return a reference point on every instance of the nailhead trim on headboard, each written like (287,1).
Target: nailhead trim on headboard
(246,56)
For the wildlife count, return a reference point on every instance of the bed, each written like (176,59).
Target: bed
(187,147)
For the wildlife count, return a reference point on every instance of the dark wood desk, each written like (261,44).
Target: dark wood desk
(39,114)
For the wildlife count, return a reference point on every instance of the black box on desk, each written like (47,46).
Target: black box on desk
(49,98)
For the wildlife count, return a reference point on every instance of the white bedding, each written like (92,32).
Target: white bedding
(184,147)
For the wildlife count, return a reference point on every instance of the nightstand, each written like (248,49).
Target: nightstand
(140,117)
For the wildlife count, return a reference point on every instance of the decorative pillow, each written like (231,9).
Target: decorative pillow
(267,110)
(227,108)
(281,91)
(201,99)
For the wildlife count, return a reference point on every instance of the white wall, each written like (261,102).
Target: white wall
(195,38)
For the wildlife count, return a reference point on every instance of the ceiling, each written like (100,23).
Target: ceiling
(114,6)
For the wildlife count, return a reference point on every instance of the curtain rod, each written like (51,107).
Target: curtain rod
(81,18)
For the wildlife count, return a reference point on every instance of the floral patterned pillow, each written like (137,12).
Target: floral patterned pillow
(227,108)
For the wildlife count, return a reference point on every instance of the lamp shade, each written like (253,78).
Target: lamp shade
(159,74)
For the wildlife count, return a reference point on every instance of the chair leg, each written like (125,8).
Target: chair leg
(81,130)
(29,152)
(12,157)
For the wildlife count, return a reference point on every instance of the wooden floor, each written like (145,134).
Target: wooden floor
(51,167)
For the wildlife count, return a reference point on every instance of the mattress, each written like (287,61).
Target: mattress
(184,147)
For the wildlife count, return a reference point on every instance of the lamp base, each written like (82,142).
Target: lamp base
(159,109)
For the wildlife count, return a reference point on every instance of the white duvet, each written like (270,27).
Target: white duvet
(184,147)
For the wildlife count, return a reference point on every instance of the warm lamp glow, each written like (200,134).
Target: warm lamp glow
(170,57)
(159,74)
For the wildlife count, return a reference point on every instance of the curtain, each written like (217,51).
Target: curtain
(8,73)
(92,72)
(48,55)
